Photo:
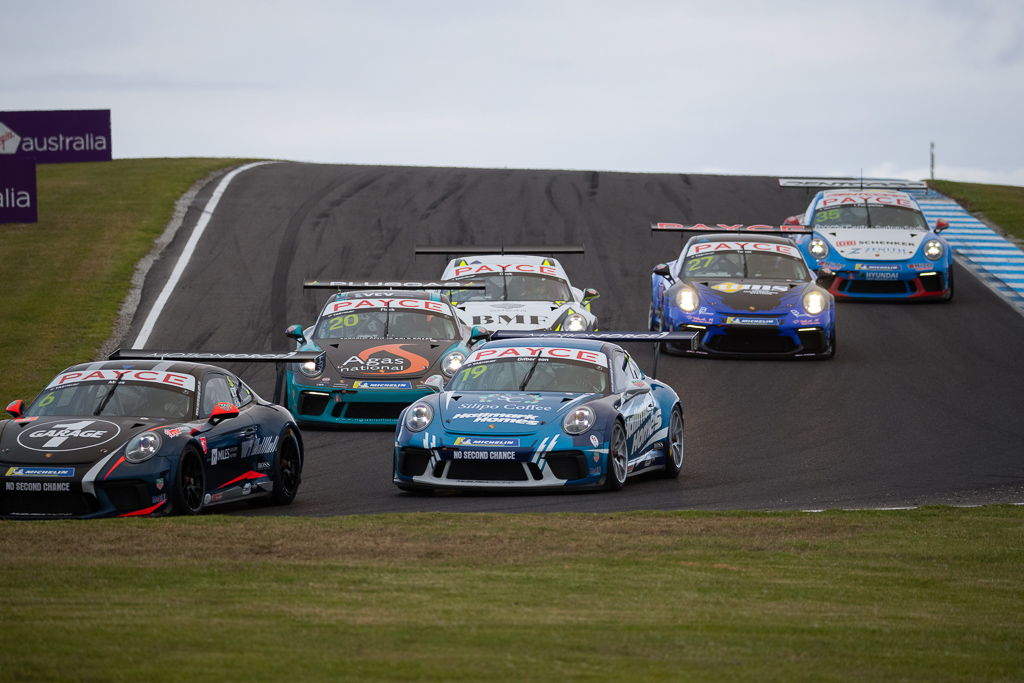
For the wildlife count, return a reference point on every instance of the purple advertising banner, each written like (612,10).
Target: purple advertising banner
(53,137)
(18,191)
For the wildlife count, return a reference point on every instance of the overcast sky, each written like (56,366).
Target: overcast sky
(773,88)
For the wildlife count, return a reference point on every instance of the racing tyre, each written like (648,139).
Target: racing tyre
(674,461)
(190,484)
(287,469)
(949,294)
(618,459)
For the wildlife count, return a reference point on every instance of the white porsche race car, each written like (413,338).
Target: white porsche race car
(523,291)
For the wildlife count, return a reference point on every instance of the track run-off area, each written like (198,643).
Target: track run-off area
(920,406)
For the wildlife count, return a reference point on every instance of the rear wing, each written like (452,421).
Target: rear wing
(855,183)
(725,227)
(639,336)
(503,249)
(204,356)
(349,284)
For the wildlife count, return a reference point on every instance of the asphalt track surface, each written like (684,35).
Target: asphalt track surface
(922,404)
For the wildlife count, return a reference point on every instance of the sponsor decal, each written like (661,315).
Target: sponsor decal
(502,319)
(21,420)
(922,266)
(504,267)
(482,442)
(39,486)
(17,189)
(712,247)
(159,498)
(506,406)
(202,443)
(174,379)
(876,266)
(56,136)
(594,442)
(175,432)
(558,353)
(267,444)
(263,466)
(385,359)
(484,455)
(60,436)
(641,425)
(347,305)
(221,454)
(846,243)
(750,321)
(373,384)
(881,276)
(733,287)
(246,488)
(159,484)
(875,197)
(504,418)
(40,472)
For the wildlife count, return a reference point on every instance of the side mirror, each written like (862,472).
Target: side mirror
(295,332)
(589,294)
(941,225)
(479,334)
(16,408)
(662,270)
(223,411)
(792,220)
(435,383)
(825,275)
(635,388)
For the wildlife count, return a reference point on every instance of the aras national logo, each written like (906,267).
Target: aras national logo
(386,359)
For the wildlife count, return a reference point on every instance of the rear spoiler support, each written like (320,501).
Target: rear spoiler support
(657,338)
(205,356)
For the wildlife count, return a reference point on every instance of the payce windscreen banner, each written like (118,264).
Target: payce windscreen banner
(54,137)
(18,191)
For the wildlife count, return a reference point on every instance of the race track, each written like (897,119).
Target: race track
(920,406)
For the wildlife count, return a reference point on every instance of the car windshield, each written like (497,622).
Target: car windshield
(531,374)
(383,323)
(744,264)
(869,216)
(114,398)
(513,287)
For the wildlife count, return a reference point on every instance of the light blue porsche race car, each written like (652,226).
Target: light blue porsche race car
(543,411)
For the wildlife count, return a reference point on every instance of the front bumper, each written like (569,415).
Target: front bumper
(446,466)
(783,337)
(346,406)
(905,285)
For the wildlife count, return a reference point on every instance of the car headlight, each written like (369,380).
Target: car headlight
(142,447)
(451,363)
(933,250)
(578,421)
(687,298)
(574,322)
(312,368)
(814,301)
(419,416)
(818,248)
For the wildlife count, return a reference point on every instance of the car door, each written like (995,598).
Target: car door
(229,440)
(640,411)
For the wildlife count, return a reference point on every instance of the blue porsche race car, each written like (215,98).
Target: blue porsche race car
(542,411)
(379,345)
(875,243)
(744,295)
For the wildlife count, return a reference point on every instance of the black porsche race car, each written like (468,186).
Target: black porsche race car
(126,438)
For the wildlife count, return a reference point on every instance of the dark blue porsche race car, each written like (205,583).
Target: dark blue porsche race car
(126,438)
(548,411)
(745,294)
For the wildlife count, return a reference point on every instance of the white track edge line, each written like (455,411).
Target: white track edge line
(186,253)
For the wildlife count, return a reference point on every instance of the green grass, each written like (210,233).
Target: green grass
(1000,204)
(65,276)
(930,594)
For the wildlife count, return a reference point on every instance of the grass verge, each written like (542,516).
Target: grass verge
(928,594)
(65,276)
(1000,204)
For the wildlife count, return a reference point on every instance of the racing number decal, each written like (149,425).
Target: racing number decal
(827,215)
(350,320)
(473,372)
(699,262)
(47,400)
